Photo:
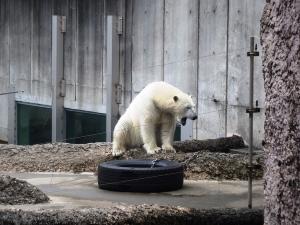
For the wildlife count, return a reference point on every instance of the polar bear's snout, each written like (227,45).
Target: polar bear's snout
(190,114)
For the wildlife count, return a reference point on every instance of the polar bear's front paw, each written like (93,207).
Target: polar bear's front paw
(168,148)
(153,150)
(118,152)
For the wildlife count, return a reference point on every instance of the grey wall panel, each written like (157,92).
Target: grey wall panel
(212,68)
(59,7)
(244,22)
(128,54)
(161,43)
(180,44)
(4,66)
(89,53)
(70,54)
(181,48)
(20,44)
(4,40)
(147,38)
(41,12)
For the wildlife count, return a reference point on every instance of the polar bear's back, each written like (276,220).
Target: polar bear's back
(160,88)
(155,90)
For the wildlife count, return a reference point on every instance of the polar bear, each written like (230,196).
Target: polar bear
(150,120)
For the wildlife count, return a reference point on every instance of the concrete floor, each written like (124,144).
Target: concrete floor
(69,191)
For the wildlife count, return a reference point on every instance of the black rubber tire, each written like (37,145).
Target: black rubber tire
(138,176)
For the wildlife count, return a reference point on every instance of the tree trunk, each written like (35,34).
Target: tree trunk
(280,39)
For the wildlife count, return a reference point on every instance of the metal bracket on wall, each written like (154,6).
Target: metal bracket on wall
(120,26)
(253,52)
(63,24)
(62,88)
(119,94)
(253,110)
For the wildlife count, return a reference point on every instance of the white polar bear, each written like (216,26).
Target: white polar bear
(150,120)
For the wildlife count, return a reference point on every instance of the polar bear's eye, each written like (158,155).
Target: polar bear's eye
(188,107)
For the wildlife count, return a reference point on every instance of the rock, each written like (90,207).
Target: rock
(134,215)
(14,191)
(202,159)
(212,145)
(280,39)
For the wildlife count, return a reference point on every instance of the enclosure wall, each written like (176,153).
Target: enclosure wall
(198,45)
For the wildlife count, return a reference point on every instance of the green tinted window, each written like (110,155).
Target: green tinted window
(85,127)
(33,124)
(177,135)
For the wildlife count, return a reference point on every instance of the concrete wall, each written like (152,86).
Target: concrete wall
(244,21)
(4,68)
(25,55)
(198,45)
(212,68)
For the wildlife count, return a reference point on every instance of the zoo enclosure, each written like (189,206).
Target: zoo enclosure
(198,45)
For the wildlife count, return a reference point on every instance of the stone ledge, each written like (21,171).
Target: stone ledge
(133,215)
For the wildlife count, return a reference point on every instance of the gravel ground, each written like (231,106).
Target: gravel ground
(14,191)
(200,163)
(209,159)
(142,214)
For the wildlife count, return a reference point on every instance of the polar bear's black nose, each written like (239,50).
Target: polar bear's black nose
(195,117)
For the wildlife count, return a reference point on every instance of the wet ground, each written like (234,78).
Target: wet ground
(71,191)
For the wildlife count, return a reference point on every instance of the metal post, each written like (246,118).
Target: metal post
(251,110)
(58,82)
(113,88)
(11,123)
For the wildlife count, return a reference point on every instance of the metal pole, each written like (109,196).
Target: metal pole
(251,110)
(251,123)
(113,88)
(58,82)
(11,122)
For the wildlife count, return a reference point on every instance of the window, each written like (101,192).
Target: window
(177,135)
(33,124)
(85,127)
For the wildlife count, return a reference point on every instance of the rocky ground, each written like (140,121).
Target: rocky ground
(208,159)
(132,215)
(14,191)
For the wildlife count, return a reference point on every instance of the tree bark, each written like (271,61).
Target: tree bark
(280,39)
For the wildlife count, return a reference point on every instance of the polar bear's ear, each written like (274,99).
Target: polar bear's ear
(175,98)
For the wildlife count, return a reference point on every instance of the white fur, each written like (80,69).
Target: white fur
(150,119)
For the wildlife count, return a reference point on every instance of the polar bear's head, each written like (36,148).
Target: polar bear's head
(184,108)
